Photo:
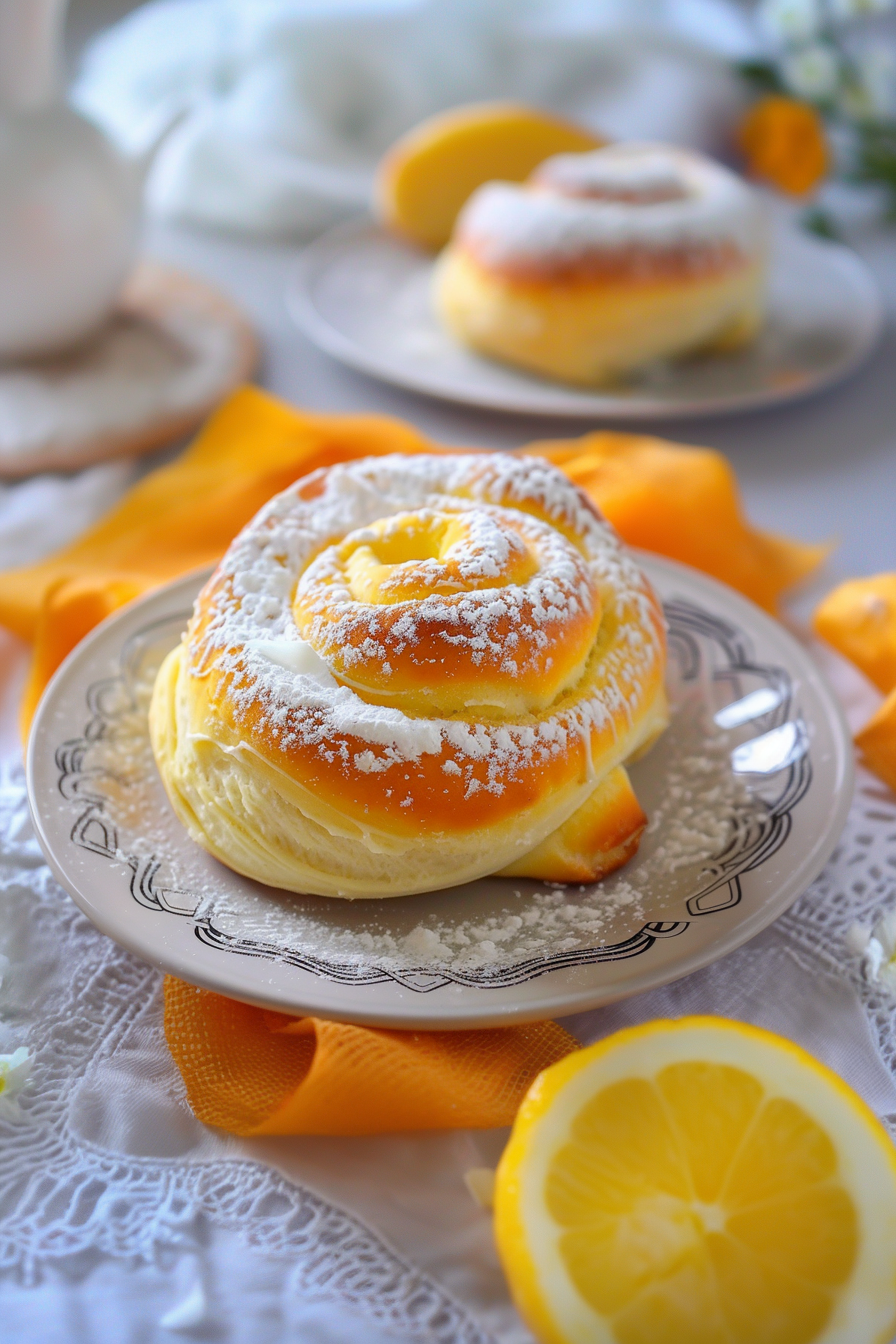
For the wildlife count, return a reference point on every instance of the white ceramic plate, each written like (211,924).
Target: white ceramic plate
(725,854)
(364,297)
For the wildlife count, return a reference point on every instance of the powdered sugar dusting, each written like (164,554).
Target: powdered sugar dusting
(631,172)
(475,619)
(251,624)
(619,198)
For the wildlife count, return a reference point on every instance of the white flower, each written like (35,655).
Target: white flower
(855,9)
(812,72)
(791,20)
(873,960)
(14,1071)
(858,936)
(875,96)
(878,964)
(885,932)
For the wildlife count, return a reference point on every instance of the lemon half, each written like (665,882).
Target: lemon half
(425,178)
(698,1182)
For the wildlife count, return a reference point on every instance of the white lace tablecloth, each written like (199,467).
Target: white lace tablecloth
(121,1218)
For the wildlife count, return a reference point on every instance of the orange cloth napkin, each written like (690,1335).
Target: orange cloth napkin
(262,1073)
(255,1072)
(859,620)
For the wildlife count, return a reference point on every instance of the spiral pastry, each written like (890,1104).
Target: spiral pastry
(605,261)
(408,672)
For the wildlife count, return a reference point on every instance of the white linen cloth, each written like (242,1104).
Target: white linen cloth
(282,107)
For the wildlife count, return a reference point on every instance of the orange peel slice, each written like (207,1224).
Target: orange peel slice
(877,742)
(859,620)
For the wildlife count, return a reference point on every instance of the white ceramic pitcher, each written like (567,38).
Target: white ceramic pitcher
(69,201)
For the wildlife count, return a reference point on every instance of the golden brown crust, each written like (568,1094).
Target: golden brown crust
(601,836)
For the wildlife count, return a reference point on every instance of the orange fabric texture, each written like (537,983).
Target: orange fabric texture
(859,620)
(784,143)
(255,1072)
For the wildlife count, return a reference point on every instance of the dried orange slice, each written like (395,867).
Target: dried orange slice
(426,177)
(698,1182)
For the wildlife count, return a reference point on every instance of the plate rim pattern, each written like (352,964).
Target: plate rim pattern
(97,834)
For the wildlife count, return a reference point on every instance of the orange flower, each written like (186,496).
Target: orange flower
(784,143)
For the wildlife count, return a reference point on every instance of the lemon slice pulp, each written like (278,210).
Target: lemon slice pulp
(698,1182)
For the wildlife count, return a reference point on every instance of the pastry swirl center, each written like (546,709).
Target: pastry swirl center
(413,556)
(442,609)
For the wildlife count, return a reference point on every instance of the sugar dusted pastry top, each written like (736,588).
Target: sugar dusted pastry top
(431,643)
(625,207)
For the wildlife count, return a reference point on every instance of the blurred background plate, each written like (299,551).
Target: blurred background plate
(747,792)
(363,296)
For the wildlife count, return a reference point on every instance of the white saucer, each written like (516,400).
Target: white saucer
(173,350)
(364,297)
(725,854)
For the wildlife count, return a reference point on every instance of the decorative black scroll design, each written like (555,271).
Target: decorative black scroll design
(424,981)
(753,841)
